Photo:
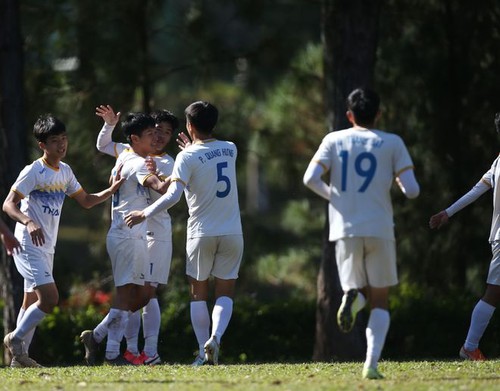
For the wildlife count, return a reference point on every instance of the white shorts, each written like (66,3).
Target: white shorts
(36,266)
(494,271)
(128,259)
(219,256)
(160,258)
(366,261)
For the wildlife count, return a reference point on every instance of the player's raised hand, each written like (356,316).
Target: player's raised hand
(151,164)
(183,141)
(107,113)
(116,179)
(438,220)
(135,217)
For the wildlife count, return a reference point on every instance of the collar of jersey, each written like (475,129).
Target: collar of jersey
(49,165)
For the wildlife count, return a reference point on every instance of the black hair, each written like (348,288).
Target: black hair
(166,116)
(47,125)
(136,123)
(203,116)
(364,104)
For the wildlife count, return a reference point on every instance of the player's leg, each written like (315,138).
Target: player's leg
(226,267)
(380,264)
(349,253)
(200,317)
(132,336)
(29,298)
(484,309)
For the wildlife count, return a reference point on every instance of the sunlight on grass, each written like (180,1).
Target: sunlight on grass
(414,375)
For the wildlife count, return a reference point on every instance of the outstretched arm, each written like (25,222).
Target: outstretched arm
(89,200)
(166,201)
(441,218)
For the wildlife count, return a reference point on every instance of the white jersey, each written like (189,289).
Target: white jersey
(208,170)
(492,177)
(160,224)
(363,164)
(43,189)
(131,195)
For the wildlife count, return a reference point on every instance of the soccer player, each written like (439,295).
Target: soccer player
(40,190)
(485,307)
(159,234)
(127,248)
(8,239)
(206,172)
(363,163)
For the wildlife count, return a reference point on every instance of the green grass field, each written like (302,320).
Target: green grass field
(411,375)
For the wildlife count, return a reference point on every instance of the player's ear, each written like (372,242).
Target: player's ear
(350,116)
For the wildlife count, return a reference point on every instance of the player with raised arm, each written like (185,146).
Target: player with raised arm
(159,232)
(485,307)
(35,203)
(206,172)
(127,248)
(363,163)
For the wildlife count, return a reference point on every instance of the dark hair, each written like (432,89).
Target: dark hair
(364,104)
(166,116)
(203,116)
(47,125)
(136,123)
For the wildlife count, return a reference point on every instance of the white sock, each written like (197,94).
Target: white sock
(200,319)
(151,320)
(31,318)
(480,318)
(28,338)
(376,331)
(132,332)
(221,315)
(101,330)
(116,328)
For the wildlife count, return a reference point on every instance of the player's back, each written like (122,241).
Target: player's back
(209,171)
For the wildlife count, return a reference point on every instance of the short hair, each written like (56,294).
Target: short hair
(364,104)
(166,116)
(202,115)
(47,125)
(136,123)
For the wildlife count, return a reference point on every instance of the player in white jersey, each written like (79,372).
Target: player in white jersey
(206,172)
(159,233)
(485,307)
(40,190)
(363,163)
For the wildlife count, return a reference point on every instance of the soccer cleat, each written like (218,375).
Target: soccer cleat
(472,355)
(91,346)
(372,374)
(131,357)
(346,315)
(198,361)
(212,351)
(154,360)
(14,345)
(118,361)
(24,361)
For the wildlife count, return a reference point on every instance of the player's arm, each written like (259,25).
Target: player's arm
(312,179)
(166,201)
(408,183)
(8,239)
(441,218)
(89,200)
(155,183)
(105,142)
(10,206)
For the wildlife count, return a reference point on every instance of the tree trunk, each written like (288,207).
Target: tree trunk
(12,142)
(349,29)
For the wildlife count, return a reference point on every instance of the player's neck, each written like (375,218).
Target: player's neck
(51,160)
